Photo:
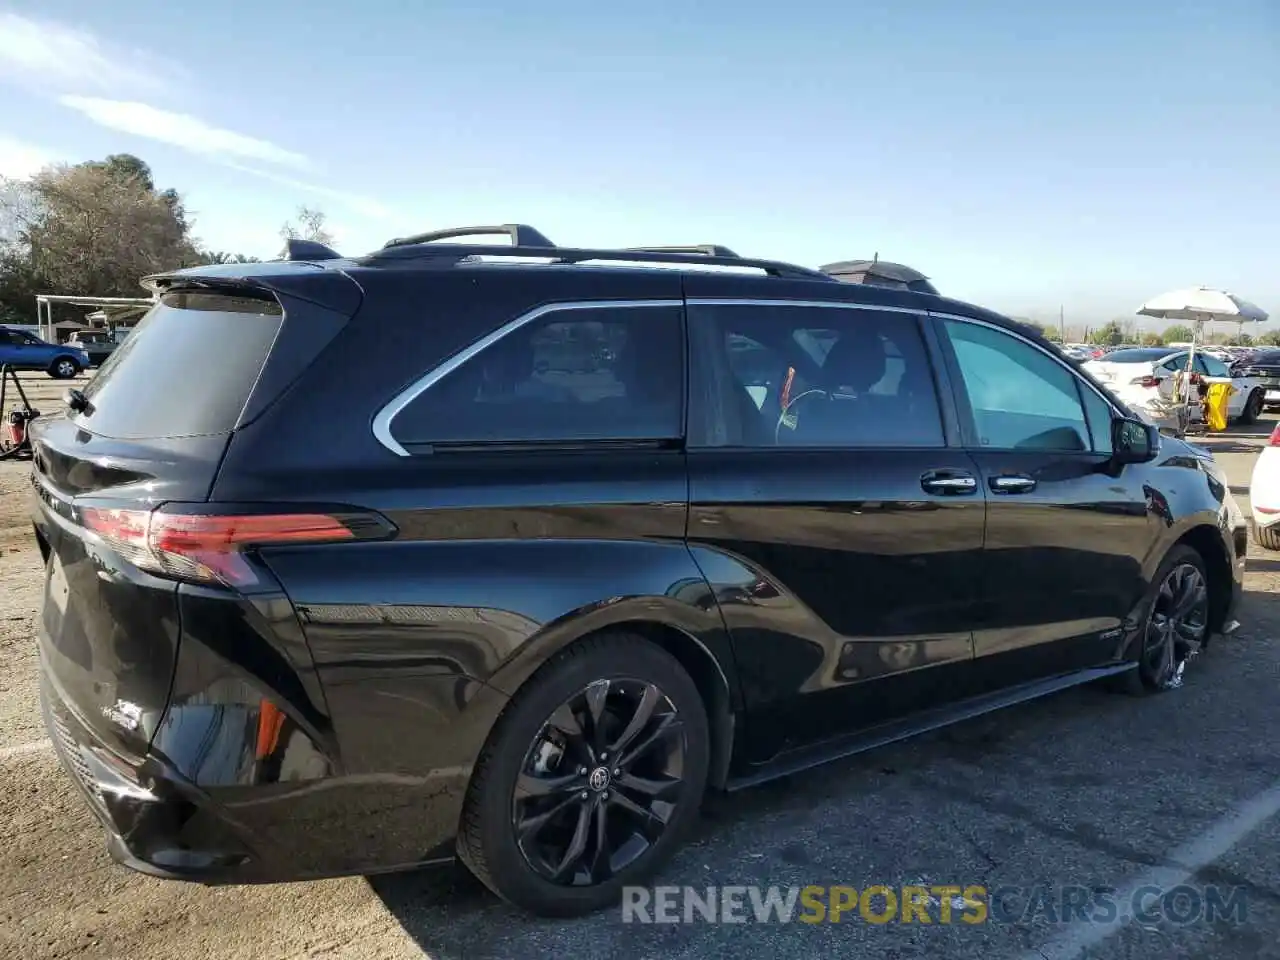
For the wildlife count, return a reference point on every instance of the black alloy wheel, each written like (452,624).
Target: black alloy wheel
(1176,626)
(600,782)
(590,779)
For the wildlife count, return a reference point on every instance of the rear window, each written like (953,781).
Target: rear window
(1136,356)
(186,370)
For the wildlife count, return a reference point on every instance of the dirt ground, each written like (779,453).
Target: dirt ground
(1083,788)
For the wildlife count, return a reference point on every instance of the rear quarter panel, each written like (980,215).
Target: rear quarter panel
(420,641)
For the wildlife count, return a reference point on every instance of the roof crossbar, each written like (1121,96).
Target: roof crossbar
(704,249)
(446,254)
(521,234)
(530,244)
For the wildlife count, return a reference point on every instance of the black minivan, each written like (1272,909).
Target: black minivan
(513,552)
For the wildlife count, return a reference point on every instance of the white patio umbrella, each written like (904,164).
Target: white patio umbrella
(1198,305)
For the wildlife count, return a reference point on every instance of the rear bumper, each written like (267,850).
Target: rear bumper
(160,823)
(154,823)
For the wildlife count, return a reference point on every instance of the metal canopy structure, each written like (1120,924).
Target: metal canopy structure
(45,302)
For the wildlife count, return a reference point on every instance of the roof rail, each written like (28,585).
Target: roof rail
(445,254)
(298,249)
(704,249)
(522,235)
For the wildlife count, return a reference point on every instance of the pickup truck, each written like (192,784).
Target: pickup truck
(98,344)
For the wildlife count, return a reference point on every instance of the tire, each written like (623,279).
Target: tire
(1181,643)
(617,671)
(1267,537)
(64,368)
(1252,407)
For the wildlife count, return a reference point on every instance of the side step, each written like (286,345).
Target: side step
(804,758)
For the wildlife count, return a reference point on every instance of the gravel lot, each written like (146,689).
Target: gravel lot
(1085,788)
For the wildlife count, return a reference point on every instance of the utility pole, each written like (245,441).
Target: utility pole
(1062,325)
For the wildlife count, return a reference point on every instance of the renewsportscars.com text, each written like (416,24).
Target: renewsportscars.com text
(965,904)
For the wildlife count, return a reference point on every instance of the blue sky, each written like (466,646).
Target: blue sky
(1022,154)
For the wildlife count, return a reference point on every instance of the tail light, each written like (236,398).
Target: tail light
(1146,381)
(211,548)
(1275,437)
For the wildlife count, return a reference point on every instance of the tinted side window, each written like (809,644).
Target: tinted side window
(1022,399)
(812,377)
(570,375)
(1174,364)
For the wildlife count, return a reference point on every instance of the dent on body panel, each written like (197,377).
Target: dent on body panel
(399,796)
(240,711)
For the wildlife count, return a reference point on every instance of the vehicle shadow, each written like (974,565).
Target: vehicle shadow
(451,916)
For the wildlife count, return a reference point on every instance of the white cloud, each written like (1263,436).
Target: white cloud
(182,130)
(226,147)
(20,160)
(44,55)
(70,64)
(354,201)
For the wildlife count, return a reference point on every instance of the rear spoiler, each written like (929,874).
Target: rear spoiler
(331,289)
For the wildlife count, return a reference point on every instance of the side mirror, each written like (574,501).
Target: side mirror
(1133,441)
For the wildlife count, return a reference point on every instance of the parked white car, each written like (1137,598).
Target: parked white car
(1264,494)
(1143,379)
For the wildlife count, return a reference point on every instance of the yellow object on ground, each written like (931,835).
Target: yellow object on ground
(1215,405)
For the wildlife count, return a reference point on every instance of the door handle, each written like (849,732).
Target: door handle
(1012,484)
(948,483)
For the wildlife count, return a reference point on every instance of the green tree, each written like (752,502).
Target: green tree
(124,167)
(1108,335)
(221,256)
(1152,340)
(94,229)
(1271,338)
(309,225)
(1178,333)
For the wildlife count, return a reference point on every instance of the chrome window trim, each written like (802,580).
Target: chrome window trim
(387,414)
(382,421)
